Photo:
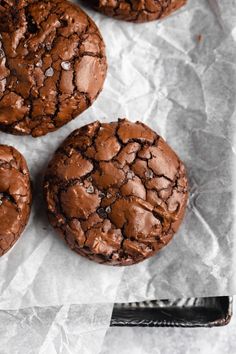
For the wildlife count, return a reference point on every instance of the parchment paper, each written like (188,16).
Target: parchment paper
(75,329)
(178,76)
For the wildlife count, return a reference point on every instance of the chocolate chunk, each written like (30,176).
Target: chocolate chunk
(52,65)
(137,10)
(15,196)
(122,188)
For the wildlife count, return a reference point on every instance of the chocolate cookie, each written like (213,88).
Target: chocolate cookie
(15,196)
(138,10)
(52,65)
(116,192)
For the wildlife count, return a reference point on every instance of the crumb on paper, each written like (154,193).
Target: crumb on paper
(199,38)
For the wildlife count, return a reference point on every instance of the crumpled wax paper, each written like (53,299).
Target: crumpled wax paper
(178,76)
(75,329)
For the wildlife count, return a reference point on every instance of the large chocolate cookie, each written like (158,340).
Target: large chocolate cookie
(116,192)
(15,196)
(52,64)
(137,10)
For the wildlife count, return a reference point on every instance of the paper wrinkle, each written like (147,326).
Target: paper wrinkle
(54,330)
(178,76)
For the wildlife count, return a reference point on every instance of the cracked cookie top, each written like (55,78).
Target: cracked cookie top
(15,196)
(52,65)
(137,10)
(116,192)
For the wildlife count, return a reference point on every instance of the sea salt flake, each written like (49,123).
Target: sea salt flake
(39,64)
(65,65)
(108,209)
(49,72)
(149,174)
(130,175)
(90,190)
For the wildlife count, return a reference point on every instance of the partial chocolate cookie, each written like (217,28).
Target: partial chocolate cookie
(137,10)
(116,192)
(15,196)
(52,65)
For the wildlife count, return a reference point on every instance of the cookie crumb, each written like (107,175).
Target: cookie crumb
(199,38)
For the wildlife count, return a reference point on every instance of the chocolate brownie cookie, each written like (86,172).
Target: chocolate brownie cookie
(138,10)
(116,192)
(15,196)
(52,65)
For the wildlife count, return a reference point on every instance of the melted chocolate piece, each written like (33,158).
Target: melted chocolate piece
(52,65)
(137,10)
(15,196)
(116,192)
